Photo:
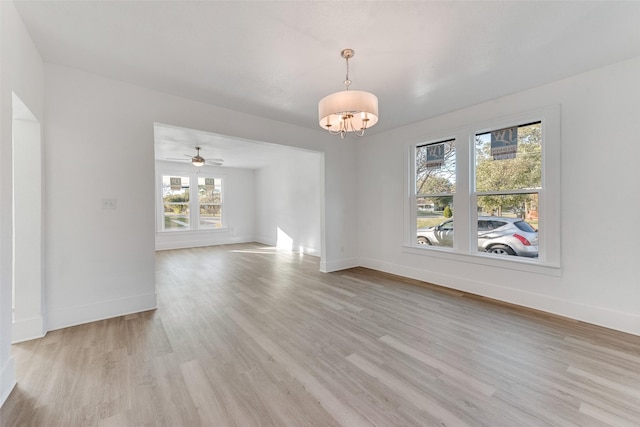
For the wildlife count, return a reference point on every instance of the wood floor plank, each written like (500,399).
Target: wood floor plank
(607,417)
(465,379)
(633,392)
(254,304)
(339,301)
(203,394)
(329,303)
(415,397)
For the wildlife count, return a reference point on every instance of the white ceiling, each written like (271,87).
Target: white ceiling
(174,143)
(277,59)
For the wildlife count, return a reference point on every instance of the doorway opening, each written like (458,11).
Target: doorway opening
(270,193)
(28,225)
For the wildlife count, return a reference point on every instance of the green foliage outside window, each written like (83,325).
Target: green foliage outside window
(524,172)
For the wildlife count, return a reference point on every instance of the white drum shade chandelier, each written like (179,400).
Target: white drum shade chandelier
(348,110)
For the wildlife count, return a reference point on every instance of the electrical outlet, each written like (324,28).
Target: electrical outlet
(109,203)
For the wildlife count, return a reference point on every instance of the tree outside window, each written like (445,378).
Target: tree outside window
(509,187)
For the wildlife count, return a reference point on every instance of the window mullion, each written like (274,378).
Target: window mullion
(194,203)
(461,200)
(507,192)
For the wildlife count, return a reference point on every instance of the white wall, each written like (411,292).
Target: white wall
(238,208)
(288,202)
(599,280)
(21,73)
(100,263)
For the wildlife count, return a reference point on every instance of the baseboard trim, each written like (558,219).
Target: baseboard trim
(27,329)
(338,264)
(620,321)
(78,315)
(265,241)
(296,248)
(309,251)
(7,380)
(169,244)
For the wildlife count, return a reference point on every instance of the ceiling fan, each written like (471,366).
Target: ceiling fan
(198,160)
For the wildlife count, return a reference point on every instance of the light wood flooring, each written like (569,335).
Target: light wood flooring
(246,336)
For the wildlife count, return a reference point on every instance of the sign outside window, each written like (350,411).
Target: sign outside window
(209,184)
(504,143)
(435,156)
(176,184)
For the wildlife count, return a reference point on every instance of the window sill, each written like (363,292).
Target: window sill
(505,262)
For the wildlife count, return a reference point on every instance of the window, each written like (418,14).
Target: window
(187,207)
(501,183)
(175,199)
(508,180)
(210,202)
(435,186)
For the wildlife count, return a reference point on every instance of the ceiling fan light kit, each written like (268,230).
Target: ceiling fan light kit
(348,110)
(197,160)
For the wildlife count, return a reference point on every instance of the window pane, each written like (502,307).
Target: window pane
(209,190)
(434,221)
(210,199)
(175,197)
(210,216)
(508,224)
(436,168)
(514,165)
(176,216)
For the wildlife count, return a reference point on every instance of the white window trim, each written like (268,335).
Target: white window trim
(194,214)
(465,249)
